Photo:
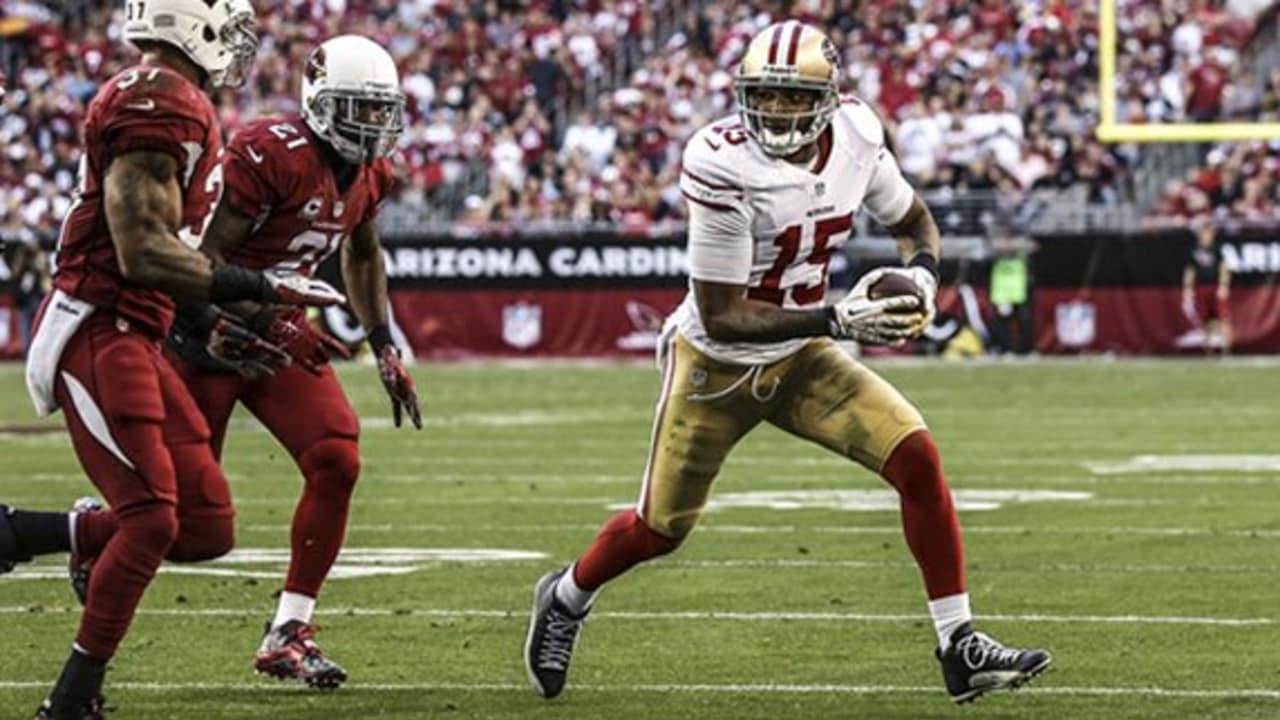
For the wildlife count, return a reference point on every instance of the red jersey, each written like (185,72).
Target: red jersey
(144,108)
(277,172)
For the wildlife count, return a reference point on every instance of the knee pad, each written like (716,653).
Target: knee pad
(331,465)
(148,529)
(203,537)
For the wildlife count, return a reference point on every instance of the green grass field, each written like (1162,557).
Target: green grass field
(1154,580)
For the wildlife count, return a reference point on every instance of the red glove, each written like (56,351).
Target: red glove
(395,378)
(241,349)
(308,346)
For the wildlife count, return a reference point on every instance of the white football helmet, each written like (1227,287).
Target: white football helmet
(789,56)
(351,98)
(218,35)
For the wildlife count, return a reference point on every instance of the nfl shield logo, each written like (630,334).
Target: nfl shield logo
(522,325)
(1076,322)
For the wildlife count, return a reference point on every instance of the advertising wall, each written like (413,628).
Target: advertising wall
(1117,293)
(602,296)
(587,297)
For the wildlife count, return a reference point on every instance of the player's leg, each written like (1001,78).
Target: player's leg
(704,408)
(204,510)
(110,394)
(311,417)
(840,404)
(198,408)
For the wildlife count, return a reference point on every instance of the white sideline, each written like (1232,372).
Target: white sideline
(730,688)
(654,615)
(893,530)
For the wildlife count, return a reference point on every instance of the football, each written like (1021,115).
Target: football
(892,285)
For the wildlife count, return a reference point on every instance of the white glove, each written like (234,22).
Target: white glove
(295,289)
(922,279)
(875,322)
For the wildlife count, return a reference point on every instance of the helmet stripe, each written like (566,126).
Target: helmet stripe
(796,31)
(774,42)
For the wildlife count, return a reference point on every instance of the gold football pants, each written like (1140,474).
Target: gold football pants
(820,393)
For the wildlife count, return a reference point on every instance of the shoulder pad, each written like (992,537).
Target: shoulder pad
(152,92)
(865,122)
(711,167)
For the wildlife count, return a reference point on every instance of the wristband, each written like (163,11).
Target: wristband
(833,321)
(379,337)
(927,261)
(232,283)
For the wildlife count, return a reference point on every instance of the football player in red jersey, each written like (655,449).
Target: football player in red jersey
(299,188)
(150,178)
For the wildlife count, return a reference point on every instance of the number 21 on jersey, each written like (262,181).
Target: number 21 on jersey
(813,239)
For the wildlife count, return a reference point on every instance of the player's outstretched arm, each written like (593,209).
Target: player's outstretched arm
(365,273)
(143,201)
(730,316)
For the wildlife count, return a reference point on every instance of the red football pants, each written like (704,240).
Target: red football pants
(144,445)
(310,415)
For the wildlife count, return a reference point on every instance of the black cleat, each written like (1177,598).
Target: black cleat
(553,632)
(976,664)
(290,652)
(10,555)
(80,565)
(95,709)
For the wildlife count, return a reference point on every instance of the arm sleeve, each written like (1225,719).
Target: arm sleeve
(720,244)
(889,195)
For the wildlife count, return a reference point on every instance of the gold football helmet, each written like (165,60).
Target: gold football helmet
(787,57)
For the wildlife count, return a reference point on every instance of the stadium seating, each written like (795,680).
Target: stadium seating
(577,111)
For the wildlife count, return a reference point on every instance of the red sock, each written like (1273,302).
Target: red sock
(121,575)
(624,542)
(94,531)
(928,516)
(320,521)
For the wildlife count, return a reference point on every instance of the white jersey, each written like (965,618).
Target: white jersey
(771,225)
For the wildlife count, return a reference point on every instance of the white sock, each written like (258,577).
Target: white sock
(71,529)
(571,596)
(294,606)
(948,614)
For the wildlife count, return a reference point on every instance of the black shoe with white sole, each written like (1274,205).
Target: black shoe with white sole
(553,632)
(976,663)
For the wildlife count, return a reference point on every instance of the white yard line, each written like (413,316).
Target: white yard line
(893,530)
(671,689)
(656,615)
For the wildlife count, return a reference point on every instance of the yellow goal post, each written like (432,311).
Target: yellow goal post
(1110,131)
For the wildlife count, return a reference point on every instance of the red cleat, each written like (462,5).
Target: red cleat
(290,652)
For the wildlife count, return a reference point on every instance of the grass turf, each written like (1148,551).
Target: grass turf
(1132,585)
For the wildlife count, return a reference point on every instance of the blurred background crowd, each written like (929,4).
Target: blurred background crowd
(527,112)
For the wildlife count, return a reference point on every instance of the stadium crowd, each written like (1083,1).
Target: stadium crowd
(578,109)
(1177,60)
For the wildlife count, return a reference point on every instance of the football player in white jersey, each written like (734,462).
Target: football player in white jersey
(772,193)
